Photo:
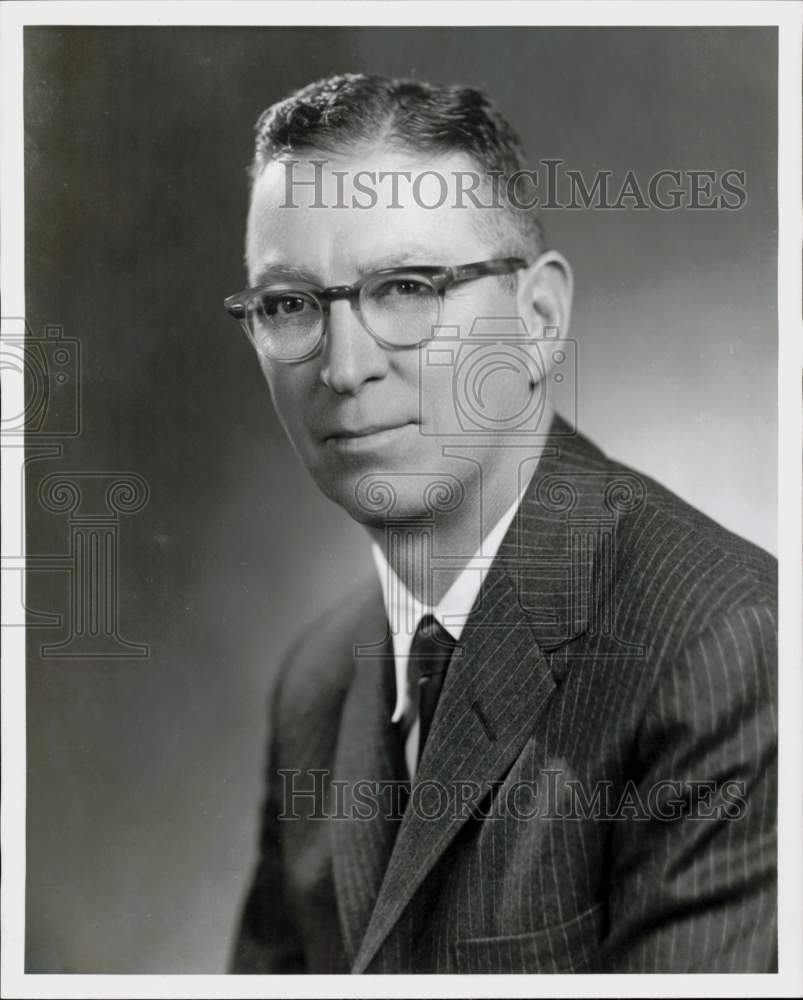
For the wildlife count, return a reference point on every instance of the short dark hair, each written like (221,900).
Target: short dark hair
(350,110)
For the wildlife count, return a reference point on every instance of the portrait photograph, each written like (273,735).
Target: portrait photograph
(401,500)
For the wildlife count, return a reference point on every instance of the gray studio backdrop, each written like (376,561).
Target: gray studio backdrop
(144,773)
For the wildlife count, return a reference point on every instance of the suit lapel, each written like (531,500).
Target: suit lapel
(551,551)
(539,594)
(497,685)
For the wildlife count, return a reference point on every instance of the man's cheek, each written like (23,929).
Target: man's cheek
(287,398)
(436,401)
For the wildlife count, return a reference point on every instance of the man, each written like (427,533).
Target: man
(543,738)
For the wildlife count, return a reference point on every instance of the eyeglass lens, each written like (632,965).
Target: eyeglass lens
(401,310)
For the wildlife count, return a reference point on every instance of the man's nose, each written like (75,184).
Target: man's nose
(351,357)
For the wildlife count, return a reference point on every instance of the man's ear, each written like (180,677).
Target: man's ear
(544,295)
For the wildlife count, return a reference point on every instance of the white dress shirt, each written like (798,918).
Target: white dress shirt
(405,611)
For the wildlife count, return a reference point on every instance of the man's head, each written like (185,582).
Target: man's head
(349,116)
(355,174)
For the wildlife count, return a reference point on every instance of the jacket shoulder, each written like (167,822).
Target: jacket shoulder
(318,666)
(675,569)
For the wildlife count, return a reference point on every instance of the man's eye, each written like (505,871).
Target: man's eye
(403,286)
(285,305)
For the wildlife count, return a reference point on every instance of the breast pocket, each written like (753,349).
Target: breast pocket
(563,947)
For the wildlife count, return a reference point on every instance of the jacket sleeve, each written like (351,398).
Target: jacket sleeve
(694,874)
(266,940)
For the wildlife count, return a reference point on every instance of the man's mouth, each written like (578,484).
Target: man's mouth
(369,430)
(367,434)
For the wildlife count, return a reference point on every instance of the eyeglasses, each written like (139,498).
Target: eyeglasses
(400,307)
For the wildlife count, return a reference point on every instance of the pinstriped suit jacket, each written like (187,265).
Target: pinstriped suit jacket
(600,773)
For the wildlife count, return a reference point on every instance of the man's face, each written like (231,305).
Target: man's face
(356,408)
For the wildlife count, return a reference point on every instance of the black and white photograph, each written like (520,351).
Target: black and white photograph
(401,500)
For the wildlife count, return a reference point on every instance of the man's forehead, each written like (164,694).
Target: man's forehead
(371,182)
(341,169)
(304,213)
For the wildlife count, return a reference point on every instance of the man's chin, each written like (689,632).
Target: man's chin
(377,498)
(374,501)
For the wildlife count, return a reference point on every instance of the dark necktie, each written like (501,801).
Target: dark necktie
(429,657)
(430,654)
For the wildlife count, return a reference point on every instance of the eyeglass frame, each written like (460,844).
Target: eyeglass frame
(442,279)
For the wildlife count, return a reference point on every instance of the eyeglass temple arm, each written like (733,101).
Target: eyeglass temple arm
(479,270)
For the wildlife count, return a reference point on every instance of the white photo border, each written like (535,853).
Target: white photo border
(787,18)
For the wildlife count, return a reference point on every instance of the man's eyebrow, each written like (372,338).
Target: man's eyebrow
(412,255)
(269,273)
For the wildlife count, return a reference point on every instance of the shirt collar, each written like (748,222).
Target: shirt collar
(404,611)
